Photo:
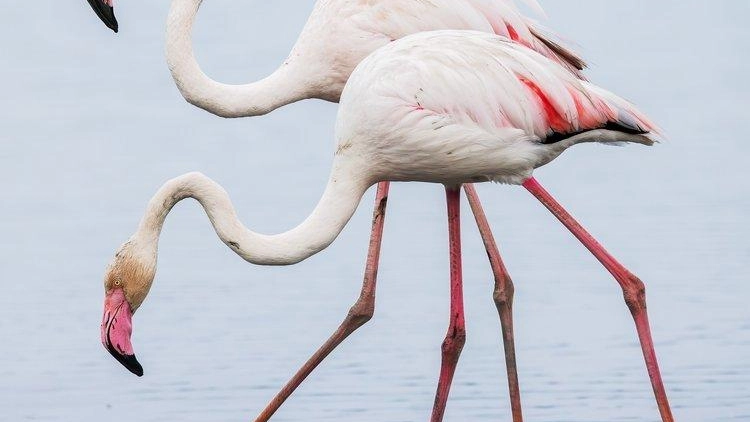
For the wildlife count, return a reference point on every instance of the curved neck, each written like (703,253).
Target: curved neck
(320,229)
(280,88)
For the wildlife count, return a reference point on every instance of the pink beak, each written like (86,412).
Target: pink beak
(116,329)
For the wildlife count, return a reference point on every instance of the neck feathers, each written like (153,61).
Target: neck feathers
(254,99)
(320,229)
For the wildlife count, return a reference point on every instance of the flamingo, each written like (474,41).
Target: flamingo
(338,35)
(450,107)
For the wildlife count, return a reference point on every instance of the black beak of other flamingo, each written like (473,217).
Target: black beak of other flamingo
(106,12)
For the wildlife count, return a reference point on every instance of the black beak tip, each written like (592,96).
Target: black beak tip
(132,365)
(128,361)
(106,13)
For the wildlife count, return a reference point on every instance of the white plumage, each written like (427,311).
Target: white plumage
(338,35)
(460,106)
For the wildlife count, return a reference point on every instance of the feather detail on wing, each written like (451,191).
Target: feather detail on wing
(506,20)
(593,108)
(475,79)
(396,19)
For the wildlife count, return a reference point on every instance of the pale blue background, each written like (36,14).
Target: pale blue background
(92,125)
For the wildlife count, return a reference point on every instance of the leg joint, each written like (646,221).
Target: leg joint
(454,341)
(504,291)
(360,314)
(634,291)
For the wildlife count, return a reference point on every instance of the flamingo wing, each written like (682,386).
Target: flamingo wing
(507,20)
(485,81)
(390,20)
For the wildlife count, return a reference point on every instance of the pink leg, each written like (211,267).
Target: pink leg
(632,287)
(359,314)
(456,337)
(503,296)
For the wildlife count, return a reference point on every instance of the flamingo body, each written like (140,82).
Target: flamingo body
(458,107)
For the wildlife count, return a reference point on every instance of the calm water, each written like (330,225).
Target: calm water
(92,125)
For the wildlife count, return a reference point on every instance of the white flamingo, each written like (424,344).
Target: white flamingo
(338,35)
(449,107)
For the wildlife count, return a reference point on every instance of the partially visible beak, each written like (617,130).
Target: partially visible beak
(106,13)
(116,329)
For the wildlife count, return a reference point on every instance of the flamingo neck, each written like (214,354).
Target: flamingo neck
(320,229)
(282,87)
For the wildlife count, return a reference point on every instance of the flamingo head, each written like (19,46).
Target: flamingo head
(106,12)
(126,284)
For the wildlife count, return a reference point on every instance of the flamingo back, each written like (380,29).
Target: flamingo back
(341,33)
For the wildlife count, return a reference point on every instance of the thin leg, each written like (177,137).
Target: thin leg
(456,337)
(633,288)
(503,296)
(358,315)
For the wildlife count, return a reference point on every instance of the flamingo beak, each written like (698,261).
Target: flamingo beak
(106,12)
(116,329)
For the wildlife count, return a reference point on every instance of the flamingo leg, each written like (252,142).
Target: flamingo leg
(359,314)
(456,337)
(633,289)
(503,297)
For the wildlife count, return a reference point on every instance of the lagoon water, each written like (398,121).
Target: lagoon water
(92,125)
